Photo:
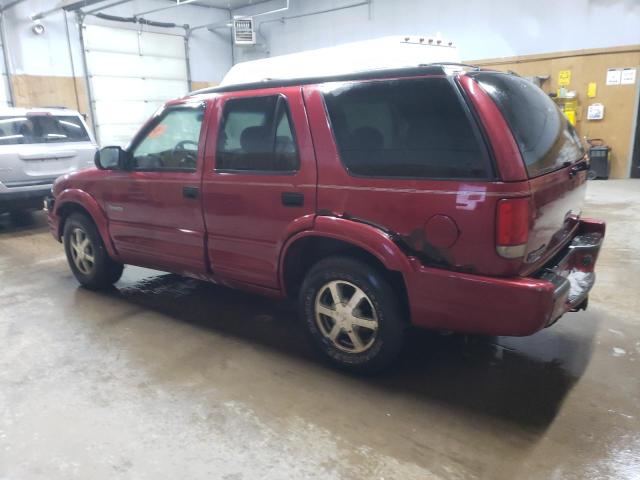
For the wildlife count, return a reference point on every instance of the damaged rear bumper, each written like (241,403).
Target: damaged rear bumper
(572,270)
(448,300)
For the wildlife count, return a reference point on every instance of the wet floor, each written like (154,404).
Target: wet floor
(164,377)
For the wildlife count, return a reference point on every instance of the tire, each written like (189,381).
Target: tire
(95,270)
(379,329)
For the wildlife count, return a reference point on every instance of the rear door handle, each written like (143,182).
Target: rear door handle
(190,192)
(292,199)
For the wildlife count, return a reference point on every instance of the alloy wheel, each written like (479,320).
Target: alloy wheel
(82,252)
(346,316)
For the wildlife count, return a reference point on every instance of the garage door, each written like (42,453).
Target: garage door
(4,80)
(131,74)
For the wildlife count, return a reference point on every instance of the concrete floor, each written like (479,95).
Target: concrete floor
(169,378)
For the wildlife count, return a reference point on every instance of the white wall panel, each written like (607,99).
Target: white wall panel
(481,29)
(131,74)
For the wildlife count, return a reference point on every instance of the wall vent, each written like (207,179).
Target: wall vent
(243,32)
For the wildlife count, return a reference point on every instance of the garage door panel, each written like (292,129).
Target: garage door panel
(125,65)
(133,112)
(4,91)
(4,81)
(98,38)
(118,134)
(159,45)
(115,88)
(131,74)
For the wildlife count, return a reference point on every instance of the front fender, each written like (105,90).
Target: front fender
(367,237)
(74,196)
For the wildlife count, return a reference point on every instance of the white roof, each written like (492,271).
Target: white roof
(377,54)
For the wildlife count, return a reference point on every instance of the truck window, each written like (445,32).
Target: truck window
(171,143)
(257,134)
(41,128)
(546,139)
(415,128)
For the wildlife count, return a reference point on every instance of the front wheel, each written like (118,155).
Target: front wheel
(86,254)
(352,314)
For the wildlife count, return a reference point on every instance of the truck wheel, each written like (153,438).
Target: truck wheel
(86,254)
(352,314)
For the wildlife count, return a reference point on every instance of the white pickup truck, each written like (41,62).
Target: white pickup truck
(37,145)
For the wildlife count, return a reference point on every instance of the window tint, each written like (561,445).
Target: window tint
(545,137)
(256,134)
(172,143)
(405,128)
(42,128)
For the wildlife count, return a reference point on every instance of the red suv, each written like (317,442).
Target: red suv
(380,200)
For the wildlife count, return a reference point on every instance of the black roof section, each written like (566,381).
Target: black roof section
(430,69)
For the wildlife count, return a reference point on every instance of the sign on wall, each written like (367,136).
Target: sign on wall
(595,111)
(628,76)
(621,76)
(564,78)
(613,76)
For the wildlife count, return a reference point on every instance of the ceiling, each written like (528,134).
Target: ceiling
(228,4)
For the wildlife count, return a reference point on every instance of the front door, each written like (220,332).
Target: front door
(259,185)
(154,206)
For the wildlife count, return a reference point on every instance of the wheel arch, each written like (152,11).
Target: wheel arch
(78,201)
(336,236)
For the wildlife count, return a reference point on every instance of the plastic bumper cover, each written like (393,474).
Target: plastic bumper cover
(448,300)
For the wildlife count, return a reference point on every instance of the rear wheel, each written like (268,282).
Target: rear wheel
(86,254)
(352,314)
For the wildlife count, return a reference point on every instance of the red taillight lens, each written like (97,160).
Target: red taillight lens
(512,226)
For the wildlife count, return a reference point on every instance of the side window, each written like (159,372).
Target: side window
(172,143)
(414,128)
(256,134)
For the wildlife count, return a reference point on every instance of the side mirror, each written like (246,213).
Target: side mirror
(111,158)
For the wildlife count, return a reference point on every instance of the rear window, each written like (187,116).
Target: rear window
(41,129)
(415,128)
(546,139)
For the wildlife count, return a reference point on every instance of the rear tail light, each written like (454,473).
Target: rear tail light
(512,227)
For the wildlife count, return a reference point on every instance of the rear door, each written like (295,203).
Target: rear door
(36,148)
(259,186)
(553,157)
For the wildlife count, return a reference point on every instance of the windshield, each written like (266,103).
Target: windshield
(31,129)
(546,139)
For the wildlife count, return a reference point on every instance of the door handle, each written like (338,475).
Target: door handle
(190,192)
(292,199)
